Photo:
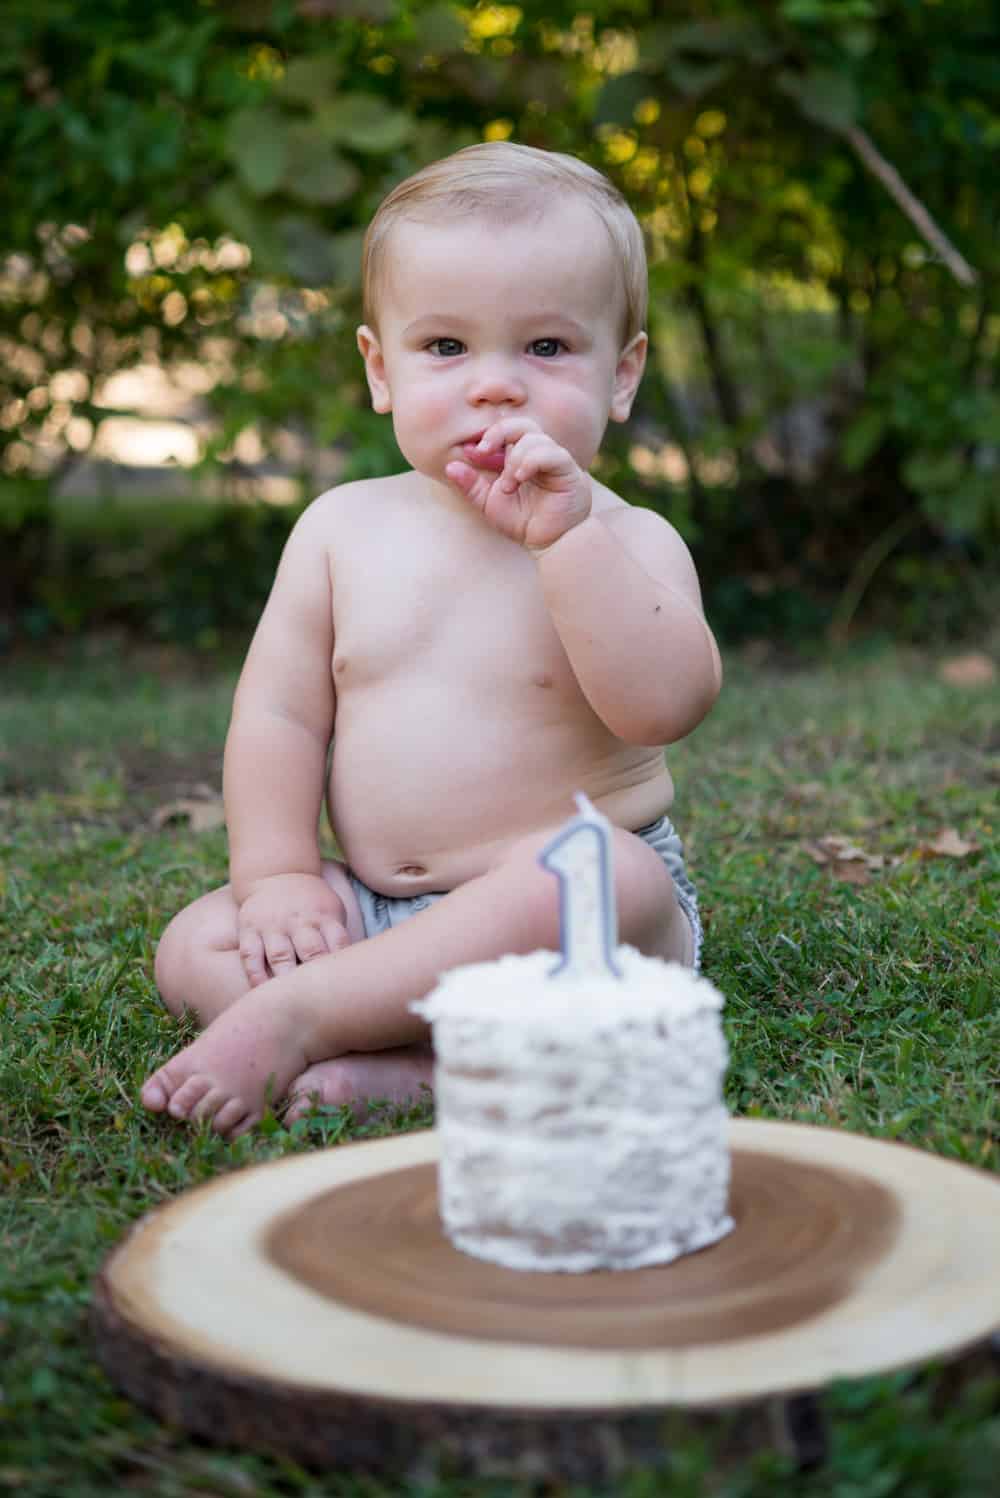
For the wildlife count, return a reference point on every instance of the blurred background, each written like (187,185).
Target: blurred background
(186,184)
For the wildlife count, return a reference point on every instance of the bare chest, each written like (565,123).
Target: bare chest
(467,617)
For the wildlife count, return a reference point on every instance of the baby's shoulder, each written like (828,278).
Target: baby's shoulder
(344,499)
(628,519)
(648,535)
(338,509)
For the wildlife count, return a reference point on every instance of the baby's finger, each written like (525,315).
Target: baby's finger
(335,935)
(536,453)
(280,952)
(507,430)
(474,483)
(308,942)
(252,956)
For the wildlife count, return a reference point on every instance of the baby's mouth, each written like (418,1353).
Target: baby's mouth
(493,461)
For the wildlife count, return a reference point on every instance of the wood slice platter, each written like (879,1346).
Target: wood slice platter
(314,1306)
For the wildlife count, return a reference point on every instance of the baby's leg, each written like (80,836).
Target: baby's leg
(357,1001)
(199,971)
(363,1079)
(198,965)
(649,917)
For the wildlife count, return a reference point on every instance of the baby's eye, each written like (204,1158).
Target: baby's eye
(446,348)
(547,348)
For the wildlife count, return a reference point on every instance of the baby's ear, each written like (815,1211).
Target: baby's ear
(631,363)
(371,352)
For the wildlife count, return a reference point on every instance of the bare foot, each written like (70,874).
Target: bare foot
(361,1078)
(253,1049)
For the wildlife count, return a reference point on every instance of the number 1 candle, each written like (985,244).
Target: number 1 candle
(580,856)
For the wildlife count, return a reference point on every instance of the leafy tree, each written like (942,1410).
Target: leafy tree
(191,181)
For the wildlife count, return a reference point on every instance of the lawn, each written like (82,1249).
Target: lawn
(839,822)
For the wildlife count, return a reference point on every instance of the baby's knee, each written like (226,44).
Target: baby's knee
(649,915)
(206,926)
(167,968)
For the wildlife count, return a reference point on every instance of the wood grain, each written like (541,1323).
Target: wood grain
(313,1306)
(803,1234)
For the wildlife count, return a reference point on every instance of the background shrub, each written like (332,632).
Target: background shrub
(189,183)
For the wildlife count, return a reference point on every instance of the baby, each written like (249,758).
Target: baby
(477,638)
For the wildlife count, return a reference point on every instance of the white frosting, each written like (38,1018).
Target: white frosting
(581,1121)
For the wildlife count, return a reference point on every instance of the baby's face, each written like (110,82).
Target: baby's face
(478,321)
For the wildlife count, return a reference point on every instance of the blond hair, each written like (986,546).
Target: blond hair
(505,181)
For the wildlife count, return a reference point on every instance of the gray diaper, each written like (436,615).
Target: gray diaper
(382,912)
(663,839)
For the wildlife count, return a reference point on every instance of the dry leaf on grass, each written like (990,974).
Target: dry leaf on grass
(201,815)
(805,790)
(851,864)
(844,859)
(948,844)
(973,669)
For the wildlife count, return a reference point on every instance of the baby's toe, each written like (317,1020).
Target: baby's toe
(321,1085)
(155,1093)
(298,1107)
(192,1099)
(233,1118)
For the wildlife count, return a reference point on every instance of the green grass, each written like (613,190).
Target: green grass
(870,1008)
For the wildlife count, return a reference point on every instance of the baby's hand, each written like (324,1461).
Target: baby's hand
(540,493)
(289,918)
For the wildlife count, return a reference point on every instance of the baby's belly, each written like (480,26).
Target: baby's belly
(433,804)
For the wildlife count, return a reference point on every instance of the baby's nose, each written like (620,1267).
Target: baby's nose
(496,383)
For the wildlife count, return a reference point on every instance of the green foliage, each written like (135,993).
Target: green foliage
(190,181)
(215,582)
(196,574)
(25,541)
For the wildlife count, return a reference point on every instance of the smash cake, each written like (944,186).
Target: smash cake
(579,1101)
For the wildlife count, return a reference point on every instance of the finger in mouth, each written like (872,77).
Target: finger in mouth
(494,461)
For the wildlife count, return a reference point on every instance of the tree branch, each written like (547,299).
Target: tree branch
(911,205)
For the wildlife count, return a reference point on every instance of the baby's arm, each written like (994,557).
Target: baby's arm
(623,594)
(275,765)
(620,586)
